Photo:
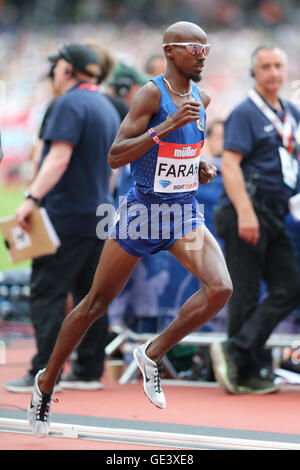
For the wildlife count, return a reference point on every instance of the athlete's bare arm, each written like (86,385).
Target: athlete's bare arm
(132,140)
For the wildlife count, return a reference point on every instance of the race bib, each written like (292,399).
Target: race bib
(289,167)
(177,167)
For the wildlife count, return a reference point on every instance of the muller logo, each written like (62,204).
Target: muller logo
(185,152)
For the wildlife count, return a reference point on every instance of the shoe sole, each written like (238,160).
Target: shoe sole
(80,386)
(135,355)
(251,391)
(29,389)
(12,388)
(220,369)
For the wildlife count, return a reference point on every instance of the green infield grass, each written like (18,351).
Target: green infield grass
(10,199)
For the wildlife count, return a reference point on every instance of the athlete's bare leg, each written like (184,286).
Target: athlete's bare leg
(114,269)
(207,263)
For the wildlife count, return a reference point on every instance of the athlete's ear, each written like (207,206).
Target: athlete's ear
(252,73)
(168,51)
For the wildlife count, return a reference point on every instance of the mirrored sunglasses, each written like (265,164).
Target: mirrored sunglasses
(192,48)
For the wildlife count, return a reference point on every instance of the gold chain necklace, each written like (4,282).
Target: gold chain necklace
(176,92)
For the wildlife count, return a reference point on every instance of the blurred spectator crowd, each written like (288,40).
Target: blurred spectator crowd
(226,13)
(131,31)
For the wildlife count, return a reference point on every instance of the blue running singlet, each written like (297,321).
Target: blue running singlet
(161,207)
(170,169)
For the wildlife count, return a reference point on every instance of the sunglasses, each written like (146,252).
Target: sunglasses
(192,48)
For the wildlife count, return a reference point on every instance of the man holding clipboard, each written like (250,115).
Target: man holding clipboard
(73,179)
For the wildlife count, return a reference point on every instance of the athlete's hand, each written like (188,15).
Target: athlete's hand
(25,209)
(187,112)
(248,226)
(207,172)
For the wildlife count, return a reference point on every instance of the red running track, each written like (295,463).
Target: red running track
(194,406)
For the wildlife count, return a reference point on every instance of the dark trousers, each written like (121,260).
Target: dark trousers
(273,260)
(70,270)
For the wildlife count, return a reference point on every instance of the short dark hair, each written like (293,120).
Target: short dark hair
(267,47)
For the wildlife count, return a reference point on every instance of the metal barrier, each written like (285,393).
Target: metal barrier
(151,437)
(125,335)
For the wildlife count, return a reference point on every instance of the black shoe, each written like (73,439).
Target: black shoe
(75,382)
(24,385)
(257,385)
(225,369)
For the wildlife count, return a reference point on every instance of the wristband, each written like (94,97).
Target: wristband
(154,136)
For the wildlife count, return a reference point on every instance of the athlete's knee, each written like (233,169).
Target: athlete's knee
(96,306)
(220,292)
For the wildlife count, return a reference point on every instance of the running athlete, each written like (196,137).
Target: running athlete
(161,138)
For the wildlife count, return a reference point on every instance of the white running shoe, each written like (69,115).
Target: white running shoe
(38,413)
(151,375)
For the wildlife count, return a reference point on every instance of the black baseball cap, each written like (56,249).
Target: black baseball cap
(81,57)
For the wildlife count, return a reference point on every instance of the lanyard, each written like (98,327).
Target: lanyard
(88,86)
(284,129)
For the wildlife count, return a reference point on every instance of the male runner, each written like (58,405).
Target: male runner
(161,137)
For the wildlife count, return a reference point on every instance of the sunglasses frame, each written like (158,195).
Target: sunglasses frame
(185,44)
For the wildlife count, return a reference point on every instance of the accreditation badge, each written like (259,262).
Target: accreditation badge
(289,167)
(177,167)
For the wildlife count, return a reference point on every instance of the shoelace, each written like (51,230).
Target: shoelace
(43,407)
(157,378)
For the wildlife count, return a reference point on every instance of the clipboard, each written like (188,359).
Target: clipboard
(41,240)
